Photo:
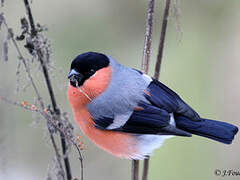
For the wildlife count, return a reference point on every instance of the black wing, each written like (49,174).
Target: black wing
(161,96)
(148,120)
(151,120)
(154,118)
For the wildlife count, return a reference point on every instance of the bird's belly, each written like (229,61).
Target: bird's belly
(117,143)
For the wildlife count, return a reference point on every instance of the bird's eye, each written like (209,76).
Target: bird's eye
(91,72)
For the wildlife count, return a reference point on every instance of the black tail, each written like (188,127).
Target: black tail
(216,130)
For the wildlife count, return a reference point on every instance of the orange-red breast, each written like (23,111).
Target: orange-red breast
(128,113)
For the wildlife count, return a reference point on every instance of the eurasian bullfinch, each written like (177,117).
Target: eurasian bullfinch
(129,114)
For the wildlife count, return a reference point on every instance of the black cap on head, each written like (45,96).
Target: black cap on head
(85,65)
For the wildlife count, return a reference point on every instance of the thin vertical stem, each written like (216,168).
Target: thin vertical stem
(50,90)
(30,17)
(38,97)
(162,39)
(148,37)
(146,56)
(135,169)
(158,66)
(145,168)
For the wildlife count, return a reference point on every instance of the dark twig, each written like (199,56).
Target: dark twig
(53,122)
(81,160)
(21,57)
(145,168)
(50,90)
(26,67)
(146,58)
(135,169)
(30,16)
(148,37)
(49,118)
(162,39)
(157,68)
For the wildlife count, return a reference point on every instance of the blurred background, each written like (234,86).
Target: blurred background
(201,64)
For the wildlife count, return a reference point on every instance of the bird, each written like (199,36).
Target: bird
(130,114)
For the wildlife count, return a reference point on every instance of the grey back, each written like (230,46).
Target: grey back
(125,91)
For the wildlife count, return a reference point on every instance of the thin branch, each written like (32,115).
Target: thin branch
(58,156)
(135,169)
(33,108)
(157,68)
(50,90)
(145,168)
(61,130)
(146,59)
(162,39)
(81,160)
(21,57)
(26,67)
(148,37)
(30,16)
(22,105)
(56,112)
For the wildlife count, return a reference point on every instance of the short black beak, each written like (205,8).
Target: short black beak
(73,72)
(76,78)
